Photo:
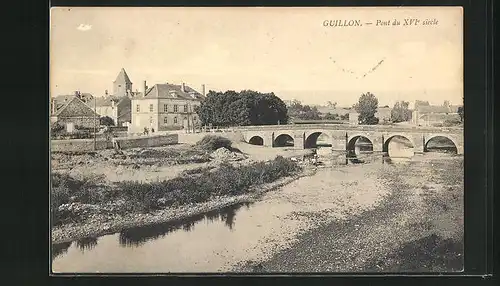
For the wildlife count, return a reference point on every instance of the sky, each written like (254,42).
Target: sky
(287,51)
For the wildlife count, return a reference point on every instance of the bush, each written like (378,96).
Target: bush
(452,122)
(226,180)
(66,189)
(372,121)
(330,116)
(87,190)
(106,121)
(57,127)
(214,142)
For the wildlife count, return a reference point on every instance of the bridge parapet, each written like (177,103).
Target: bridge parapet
(345,127)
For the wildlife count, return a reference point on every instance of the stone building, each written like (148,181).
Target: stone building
(117,105)
(164,107)
(429,115)
(74,111)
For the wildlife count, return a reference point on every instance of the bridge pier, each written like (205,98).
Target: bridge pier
(299,140)
(377,142)
(268,139)
(338,140)
(339,157)
(418,143)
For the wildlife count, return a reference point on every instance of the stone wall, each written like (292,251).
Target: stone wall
(78,145)
(145,141)
(85,122)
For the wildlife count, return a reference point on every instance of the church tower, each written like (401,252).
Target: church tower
(122,85)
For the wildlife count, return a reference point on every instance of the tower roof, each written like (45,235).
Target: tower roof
(122,77)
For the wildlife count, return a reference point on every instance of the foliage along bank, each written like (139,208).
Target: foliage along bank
(243,108)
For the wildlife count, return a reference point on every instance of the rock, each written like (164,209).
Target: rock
(225,154)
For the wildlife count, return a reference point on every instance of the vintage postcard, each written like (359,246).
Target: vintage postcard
(260,140)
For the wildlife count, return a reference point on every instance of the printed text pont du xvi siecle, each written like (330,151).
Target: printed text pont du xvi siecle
(381,23)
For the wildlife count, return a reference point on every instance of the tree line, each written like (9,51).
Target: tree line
(250,107)
(242,108)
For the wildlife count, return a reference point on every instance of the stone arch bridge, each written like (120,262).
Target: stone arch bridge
(342,136)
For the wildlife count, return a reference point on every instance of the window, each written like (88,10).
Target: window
(176,109)
(150,108)
(186,108)
(165,120)
(138,108)
(175,120)
(165,108)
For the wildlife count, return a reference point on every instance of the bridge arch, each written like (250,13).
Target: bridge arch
(311,139)
(364,139)
(389,137)
(441,139)
(283,140)
(256,140)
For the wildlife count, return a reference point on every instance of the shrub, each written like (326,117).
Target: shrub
(57,127)
(330,116)
(452,122)
(226,180)
(88,189)
(214,142)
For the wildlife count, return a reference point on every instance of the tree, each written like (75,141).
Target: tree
(244,108)
(460,112)
(367,107)
(421,103)
(305,112)
(400,112)
(331,104)
(331,116)
(106,121)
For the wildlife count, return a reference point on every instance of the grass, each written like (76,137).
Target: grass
(226,180)
(195,186)
(171,156)
(66,189)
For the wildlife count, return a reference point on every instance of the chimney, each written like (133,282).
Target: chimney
(77,93)
(145,87)
(203,89)
(106,92)
(183,87)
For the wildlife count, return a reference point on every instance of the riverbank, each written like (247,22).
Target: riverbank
(417,226)
(97,205)
(99,226)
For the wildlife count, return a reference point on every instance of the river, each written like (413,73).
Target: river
(219,240)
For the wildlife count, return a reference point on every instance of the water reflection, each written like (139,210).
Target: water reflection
(87,243)
(362,152)
(441,144)
(138,236)
(60,248)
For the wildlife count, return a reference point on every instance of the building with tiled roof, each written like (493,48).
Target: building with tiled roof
(117,106)
(428,115)
(60,100)
(165,107)
(73,111)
